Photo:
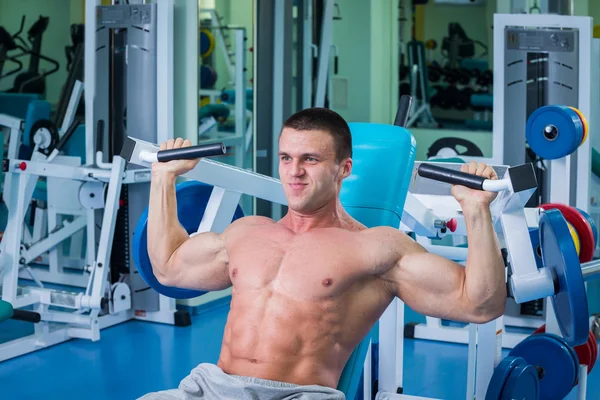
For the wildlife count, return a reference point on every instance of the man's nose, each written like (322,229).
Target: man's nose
(296,169)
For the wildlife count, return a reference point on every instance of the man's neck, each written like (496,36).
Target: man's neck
(331,215)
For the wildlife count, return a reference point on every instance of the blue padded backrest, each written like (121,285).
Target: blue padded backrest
(383,160)
(374,194)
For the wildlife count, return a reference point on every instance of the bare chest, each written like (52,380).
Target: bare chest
(301,266)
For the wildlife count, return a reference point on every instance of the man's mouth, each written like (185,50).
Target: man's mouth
(297,186)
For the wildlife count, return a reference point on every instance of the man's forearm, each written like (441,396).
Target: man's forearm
(484,273)
(165,233)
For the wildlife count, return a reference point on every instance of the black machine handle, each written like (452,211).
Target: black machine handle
(21,27)
(65,138)
(191,152)
(403,111)
(27,316)
(100,135)
(452,176)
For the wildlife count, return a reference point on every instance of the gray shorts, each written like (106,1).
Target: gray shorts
(208,381)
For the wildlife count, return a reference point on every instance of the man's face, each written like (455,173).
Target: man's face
(308,170)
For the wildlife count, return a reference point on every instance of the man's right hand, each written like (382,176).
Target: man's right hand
(175,167)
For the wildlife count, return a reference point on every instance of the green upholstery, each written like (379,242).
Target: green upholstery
(6,310)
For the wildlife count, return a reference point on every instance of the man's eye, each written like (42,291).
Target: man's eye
(311,159)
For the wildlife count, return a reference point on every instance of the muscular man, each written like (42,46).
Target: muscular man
(308,288)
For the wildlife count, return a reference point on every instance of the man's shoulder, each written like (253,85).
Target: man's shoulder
(252,220)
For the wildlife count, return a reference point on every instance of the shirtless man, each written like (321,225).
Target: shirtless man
(308,288)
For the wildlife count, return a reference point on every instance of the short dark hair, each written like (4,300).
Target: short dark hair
(324,119)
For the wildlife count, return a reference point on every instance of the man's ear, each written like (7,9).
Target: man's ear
(346,168)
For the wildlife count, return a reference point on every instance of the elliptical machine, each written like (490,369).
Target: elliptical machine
(32,81)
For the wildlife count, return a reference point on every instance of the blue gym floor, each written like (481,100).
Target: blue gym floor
(134,358)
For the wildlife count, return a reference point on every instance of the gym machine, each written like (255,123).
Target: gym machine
(125,94)
(32,81)
(103,197)
(560,77)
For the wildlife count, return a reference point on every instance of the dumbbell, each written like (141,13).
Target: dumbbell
(440,98)
(485,78)
(464,76)
(435,72)
(450,75)
(463,98)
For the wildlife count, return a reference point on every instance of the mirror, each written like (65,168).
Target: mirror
(41,53)
(446,64)
(225,76)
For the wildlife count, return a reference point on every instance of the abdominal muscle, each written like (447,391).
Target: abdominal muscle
(273,336)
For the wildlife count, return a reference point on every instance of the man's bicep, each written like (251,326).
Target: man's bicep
(430,284)
(200,263)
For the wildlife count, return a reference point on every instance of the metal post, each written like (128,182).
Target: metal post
(240,96)
(164,70)
(324,51)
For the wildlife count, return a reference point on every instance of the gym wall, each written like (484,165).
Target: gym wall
(366,86)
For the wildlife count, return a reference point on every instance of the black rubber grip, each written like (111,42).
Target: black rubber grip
(403,111)
(65,138)
(100,135)
(452,176)
(27,316)
(192,152)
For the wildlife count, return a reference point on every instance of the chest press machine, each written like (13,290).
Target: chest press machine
(560,278)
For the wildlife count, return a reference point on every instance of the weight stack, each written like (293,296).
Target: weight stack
(119,256)
(126,101)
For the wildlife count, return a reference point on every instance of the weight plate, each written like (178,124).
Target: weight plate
(584,122)
(570,298)
(594,346)
(501,374)
(192,198)
(581,225)
(554,131)
(523,383)
(555,361)
(585,352)
(575,238)
(207,43)
(592,225)
(574,352)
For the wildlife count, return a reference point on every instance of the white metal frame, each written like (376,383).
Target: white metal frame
(84,319)
(484,341)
